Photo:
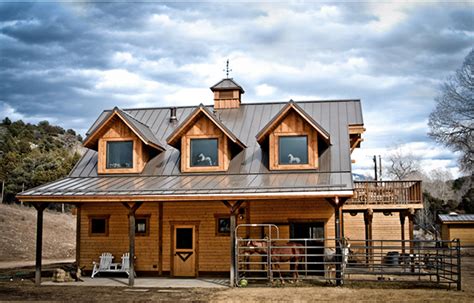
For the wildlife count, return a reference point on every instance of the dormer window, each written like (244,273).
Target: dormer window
(293,150)
(293,139)
(204,152)
(119,154)
(205,143)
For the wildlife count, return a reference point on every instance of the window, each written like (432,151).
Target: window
(142,225)
(99,225)
(184,238)
(293,150)
(226,94)
(204,152)
(120,154)
(222,225)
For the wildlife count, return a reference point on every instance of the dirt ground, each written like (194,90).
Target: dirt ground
(18,234)
(26,291)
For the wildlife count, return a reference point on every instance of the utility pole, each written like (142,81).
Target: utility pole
(380,168)
(375,168)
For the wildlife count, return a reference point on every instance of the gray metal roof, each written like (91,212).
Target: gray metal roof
(456,218)
(227,84)
(248,170)
(191,185)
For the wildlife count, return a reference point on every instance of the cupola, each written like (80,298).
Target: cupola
(227,93)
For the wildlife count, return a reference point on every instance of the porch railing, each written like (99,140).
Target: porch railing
(386,192)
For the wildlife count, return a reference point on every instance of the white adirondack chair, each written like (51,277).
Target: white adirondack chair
(106,264)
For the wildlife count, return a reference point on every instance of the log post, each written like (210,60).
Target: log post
(337,221)
(402,223)
(411,215)
(40,207)
(368,216)
(131,239)
(78,235)
(233,209)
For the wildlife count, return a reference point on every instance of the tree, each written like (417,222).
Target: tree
(452,121)
(402,165)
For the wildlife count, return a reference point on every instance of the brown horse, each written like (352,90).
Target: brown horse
(290,252)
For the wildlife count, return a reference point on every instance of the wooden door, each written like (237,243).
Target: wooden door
(184,251)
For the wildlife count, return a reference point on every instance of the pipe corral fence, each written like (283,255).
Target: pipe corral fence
(336,261)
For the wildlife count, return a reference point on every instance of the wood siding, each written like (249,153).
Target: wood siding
(293,125)
(214,250)
(222,99)
(117,130)
(204,128)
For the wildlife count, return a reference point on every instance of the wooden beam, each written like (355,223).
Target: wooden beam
(40,207)
(354,145)
(78,235)
(368,216)
(233,209)
(160,238)
(402,224)
(131,238)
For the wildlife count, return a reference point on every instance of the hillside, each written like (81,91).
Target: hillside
(31,155)
(18,234)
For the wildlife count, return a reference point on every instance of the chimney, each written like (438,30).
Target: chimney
(173,114)
(227,94)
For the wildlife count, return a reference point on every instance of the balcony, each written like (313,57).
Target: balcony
(386,194)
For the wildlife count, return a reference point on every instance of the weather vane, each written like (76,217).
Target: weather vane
(227,69)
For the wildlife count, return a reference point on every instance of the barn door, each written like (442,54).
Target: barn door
(184,251)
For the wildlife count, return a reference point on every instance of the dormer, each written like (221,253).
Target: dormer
(206,144)
(293,139)
(227,94)
(124,144)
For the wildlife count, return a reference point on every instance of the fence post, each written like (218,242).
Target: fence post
(269,259)
(458,249)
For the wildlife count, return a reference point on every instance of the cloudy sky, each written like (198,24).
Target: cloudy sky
(65,62)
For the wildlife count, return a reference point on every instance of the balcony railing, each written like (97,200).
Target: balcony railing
(387,192)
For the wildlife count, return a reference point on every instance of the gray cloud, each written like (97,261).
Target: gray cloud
(69,61)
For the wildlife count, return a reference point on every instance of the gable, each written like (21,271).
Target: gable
(291,108)
(119,123)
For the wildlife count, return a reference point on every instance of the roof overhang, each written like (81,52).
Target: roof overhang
(174,138)
(275,121)
(183,197)
(139,129)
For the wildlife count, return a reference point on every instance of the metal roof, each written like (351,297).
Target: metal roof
(192,185)
(248,171)
(227,84)
(456,218)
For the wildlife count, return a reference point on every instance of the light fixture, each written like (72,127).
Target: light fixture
(241,213)
(353,213)
(387,213)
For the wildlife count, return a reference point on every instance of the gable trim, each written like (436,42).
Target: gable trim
(262,134)
(174,138)
(92,139)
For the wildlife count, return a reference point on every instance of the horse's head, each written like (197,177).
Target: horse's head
(254,246)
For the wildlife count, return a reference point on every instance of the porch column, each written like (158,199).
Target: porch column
(78,234)
(233,208)
(411,215)
(40,207)
(368,216)
(402,223)
(131,238)
(337,203)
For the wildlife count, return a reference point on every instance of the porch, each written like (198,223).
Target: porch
(151,282)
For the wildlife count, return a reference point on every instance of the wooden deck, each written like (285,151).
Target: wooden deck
(386,194)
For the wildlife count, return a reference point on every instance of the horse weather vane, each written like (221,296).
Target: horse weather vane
(227,69)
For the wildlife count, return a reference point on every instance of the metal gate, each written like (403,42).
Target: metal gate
(419,261)
(272,257)
(338,261)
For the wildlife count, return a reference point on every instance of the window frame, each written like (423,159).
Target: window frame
(146,217)
(191,153)
(107,142)
(95,217)
(292,136)
(218,232)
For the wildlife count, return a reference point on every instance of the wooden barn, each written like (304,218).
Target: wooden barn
(170,185)
(458,226)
